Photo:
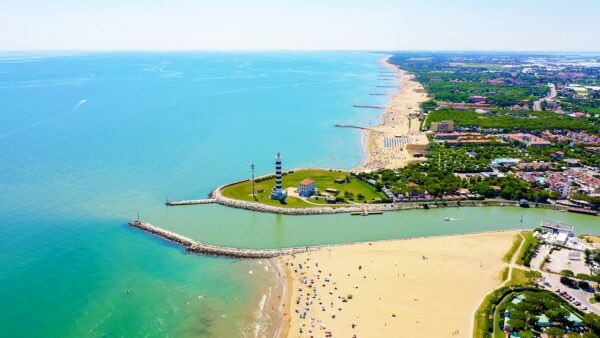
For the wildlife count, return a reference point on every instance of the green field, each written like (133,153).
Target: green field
(490,66)
(323,179)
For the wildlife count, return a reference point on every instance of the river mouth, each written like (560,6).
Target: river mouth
(256,230)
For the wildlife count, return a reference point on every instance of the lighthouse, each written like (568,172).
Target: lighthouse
(278,193)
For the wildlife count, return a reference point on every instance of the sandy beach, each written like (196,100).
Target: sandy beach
(425,287)
(393,143)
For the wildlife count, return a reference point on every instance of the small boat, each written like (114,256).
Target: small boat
(524,203)
(447,219)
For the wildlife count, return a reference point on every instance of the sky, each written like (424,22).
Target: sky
(506,25)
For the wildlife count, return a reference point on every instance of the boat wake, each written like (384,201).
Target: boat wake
(40,122)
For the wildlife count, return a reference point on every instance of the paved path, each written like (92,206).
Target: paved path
(511,265)
(537,105)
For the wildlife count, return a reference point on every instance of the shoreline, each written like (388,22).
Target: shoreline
(218,198)
(398,119)
(404,253)
(281,327)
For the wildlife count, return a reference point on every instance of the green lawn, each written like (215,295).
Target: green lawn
(528,248)
(515,245)
(522,277)
(323,179)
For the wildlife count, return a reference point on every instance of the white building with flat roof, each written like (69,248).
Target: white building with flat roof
(557,228)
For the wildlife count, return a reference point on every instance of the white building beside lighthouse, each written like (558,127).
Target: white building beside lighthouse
(278,193)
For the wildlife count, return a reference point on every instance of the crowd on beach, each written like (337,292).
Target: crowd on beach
(319,292)
(397,119)
(384,288)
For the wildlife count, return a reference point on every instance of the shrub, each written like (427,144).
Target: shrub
(568,281)
(529,250)
(567,273)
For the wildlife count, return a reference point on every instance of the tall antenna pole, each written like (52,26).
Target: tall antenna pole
(252,167)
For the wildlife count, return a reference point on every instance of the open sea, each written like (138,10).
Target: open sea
(90,141)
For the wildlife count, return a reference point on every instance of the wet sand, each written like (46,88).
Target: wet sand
(424,287)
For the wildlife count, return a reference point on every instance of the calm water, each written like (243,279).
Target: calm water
(88,141)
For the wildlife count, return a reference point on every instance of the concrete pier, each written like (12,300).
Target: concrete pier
(198,247)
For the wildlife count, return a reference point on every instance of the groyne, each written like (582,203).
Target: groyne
(367,106)
(352,126)
(192,202)
(197,247)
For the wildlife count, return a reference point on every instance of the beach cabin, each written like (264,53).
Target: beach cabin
(306,188)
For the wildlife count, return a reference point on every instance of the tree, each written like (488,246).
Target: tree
(589,334)
(526,334)
(557,314)
(595,256)
(567,281)
(593,321)
(567,273)
(584,285)
(555,332)
(517,324)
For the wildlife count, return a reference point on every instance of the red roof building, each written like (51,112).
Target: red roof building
(306,188)
(528,140)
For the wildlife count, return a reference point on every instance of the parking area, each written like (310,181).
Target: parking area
(565,259)
(577,297)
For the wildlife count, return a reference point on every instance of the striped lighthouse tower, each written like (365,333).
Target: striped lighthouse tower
(278,193)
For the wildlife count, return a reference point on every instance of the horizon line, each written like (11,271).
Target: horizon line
(298,50)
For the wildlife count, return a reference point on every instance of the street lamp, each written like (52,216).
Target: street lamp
(252,167)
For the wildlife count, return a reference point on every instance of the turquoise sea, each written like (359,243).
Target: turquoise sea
(89,141)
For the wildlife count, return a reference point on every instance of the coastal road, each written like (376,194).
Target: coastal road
(537,105)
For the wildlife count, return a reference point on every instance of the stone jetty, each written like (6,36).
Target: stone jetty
(197,247)
(367,106)
(192,202)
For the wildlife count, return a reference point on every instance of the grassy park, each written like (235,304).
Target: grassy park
(351,191)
